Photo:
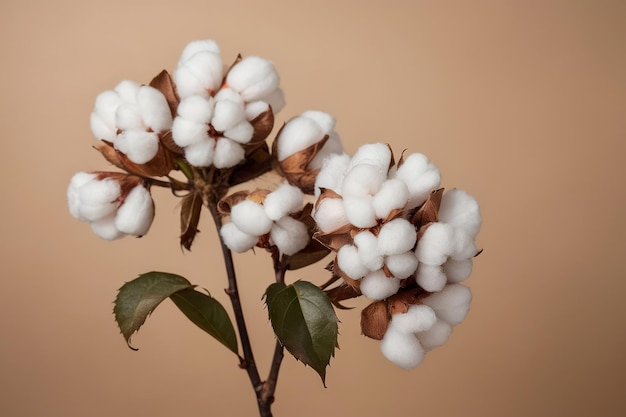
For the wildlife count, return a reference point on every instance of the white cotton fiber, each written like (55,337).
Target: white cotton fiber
(284,200)
(420,176)
(297,134)
(200,74)
(402,349)
(240,133)
(237,240)
(253,77)
(226,115)
(331,174)
(138,145)
(436,244)
(360,211)
(460,210)
(135,215)
(289,235)
(228,94)
(105,106)
(98,199)
(193,47)
(73,200)
(127,90)
(464,245)
(367,245)
(362,180)
(393,194)
(255,108)
(418,318)
(457,271)
(227,153)
(375,154)
(377,286)
(187,132)
(332,146)
(127,117)
(324,120)
(402,265)
(276,99)
(105,228)
(250,218)
(350,263)
(100,129)
(196,109)
(436,336)
(396,236)
(330,214)
(154,109)
(450,304)
(200,154)
(430,277)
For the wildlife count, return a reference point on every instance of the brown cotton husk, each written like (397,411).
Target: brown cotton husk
(158,166)
(163,82)
(340,293)
(225,205)
(429,211)
(337,238)
(403,299)
(375,320)
(263,125)
(189,218)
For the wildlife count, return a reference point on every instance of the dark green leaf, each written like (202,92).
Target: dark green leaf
(208,314)
(137,299)
(304,322)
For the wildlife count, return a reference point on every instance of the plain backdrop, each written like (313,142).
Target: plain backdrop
(521,103)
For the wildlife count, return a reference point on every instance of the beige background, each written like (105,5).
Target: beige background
(520,103)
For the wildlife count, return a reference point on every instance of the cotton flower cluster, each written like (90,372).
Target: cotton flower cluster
(425,326)
(132,116)
(368,196)
(265,215)
(216,110)
(116,205)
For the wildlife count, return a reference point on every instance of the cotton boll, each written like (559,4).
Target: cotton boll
(402,349)
(298,133)
(420,176)
(250,218)
(332,172)
(196,109)
(105,106)
(418,318)
(237,240)
(464,245)
(255,109)
(105,228)
(461,210)
(332,146)
(135,215)
(402,265)
(138,145)
(253,77)
(436,244)
(100,129)
(228,94)
(375,154)
(396,236)
(436,336)
(227,153)
(289,235)
(154,109)
(188,84)
(393,194)
(226,115)
(360,211)
(127,117)
(330,214)
(73,200)
(377,286)
(430,277)
(367,245)
(200,154)
(276,99)
(200,74)
(193,47)
(350,263)
(450,304)
(240,133)
(362,180)
(324,120)
(282,201)
(457,271)
(188,132)
(97,199)
(127,90)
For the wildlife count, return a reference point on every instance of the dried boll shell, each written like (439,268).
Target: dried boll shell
(375,320)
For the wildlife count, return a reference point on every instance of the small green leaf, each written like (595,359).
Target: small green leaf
(137,299)
(304,322)
(208,314)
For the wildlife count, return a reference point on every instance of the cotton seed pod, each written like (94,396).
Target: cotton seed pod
(375,320)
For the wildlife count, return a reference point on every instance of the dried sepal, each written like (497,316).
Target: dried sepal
(189,218)
(158,166)
(225,205)
(429,211)
(164,83)
(375,320)
(263,125)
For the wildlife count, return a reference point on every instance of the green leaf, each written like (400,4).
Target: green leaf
(137,299)
(304,322)
(208,314)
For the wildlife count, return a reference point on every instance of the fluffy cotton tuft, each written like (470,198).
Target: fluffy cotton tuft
(420,176)
(436,336)
(105,228)
(350,263)
(94,199)
(375,154)
(289,235)
(298,133)
(418,318)
(250,218)
(460,210)
(253,77)
(227,153)
(362,180)
(367,245)
(401,265)
(237,240)
(393,194)
(377,286)
(360,211)
(332,172)
(330,214)
(282,201)
(457,271)
(199,71)
(396,236)
(436,244)
(450,304)
(135,215)
(402,349)
(430,277)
